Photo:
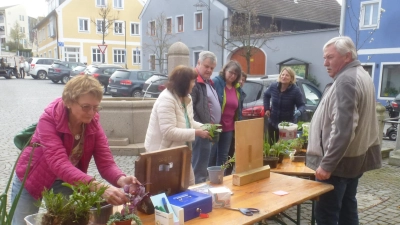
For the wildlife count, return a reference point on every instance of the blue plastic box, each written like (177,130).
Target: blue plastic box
(192,202)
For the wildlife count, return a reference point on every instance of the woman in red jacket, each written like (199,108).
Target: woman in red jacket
(69,134)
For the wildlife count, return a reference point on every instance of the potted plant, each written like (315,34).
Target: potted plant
(216,173)
(269,154)
(124,218)
(74,210)
(213,130)
(7,213)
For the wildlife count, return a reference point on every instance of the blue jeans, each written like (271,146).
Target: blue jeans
(200,154)
(27,205)
(339,206)
(220,150)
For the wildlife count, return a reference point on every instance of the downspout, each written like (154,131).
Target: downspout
(223,41)
(58,47)
(342,18)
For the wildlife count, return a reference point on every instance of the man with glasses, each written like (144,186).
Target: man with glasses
(206,109)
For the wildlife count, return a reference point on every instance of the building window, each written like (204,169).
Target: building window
(136,56)
(50,54)
(195,58)
(390,84)
(198,21)
(118,28)
(169,25)
(153,28)
(118,4)
(179,21)
(21,17)
(83,25)
(152,62)
(119,56)
(99,26)
(134,28)
(97,56)
(101,3)
(22,29)
(55,53)
(370,13)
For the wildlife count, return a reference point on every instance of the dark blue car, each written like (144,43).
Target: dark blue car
(61,71)
(125,82)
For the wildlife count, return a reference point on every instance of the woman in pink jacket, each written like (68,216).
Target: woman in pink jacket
(69,134)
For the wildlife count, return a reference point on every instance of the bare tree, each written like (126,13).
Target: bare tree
(160,33)
(106,22)
(245,31)
(17,34)
(355,20)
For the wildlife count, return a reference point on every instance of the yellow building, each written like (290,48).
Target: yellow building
(72,31)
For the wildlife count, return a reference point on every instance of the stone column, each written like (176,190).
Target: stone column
(380,114)
(394,159)
(178,54)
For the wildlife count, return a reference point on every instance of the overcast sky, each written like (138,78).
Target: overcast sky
(37,8)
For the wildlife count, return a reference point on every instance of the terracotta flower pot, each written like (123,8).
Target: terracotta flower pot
(125,222)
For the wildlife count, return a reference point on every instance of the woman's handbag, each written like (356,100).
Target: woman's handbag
(23,138)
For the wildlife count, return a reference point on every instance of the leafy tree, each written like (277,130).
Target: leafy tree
(17,35)
(160,33)
(108,17)
(246,31)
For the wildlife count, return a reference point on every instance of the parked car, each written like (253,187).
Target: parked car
(154,85)
(39,67)
(61,71)
(102,72)
(78,70)
(254,88)
(396,103)
(128,82)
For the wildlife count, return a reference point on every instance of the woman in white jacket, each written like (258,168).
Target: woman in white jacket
(171,121)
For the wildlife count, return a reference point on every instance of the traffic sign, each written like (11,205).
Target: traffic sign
(102,48)
(61,44)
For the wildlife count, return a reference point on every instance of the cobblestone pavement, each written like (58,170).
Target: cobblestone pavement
(23,101)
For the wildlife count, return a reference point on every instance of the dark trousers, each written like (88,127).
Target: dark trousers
(273,134)
(21,73)
(339,206)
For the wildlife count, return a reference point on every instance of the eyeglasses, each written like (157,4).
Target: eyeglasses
(88,108)
(232,73)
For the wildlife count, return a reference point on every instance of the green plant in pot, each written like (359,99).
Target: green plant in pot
(216,173)
(74,210)
(124,218)
(269,154)
(214,130)
(6,215)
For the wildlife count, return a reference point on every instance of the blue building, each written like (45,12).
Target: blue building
(373,26)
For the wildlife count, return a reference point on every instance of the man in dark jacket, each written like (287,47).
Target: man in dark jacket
(206,109)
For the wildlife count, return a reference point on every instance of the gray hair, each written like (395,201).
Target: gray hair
(207,55)
(343,45)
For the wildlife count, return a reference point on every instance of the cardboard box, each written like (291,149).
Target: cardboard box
(163,218)
(221,197)
(192,203)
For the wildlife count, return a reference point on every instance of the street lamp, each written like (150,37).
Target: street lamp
(198,6)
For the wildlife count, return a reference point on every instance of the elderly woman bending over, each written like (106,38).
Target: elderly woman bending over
(69,134)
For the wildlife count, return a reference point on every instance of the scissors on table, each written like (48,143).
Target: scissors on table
(245,211)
